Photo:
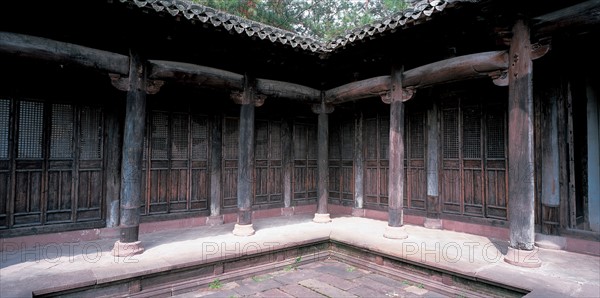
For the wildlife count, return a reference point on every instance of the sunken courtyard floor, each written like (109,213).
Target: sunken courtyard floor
(348,256)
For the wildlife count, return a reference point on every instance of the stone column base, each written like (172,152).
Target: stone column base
(287,211)
(243,230)
(358,212)
(127,249)
(216,220)
(322,218)
(433,223)
(395,233)
(523,258)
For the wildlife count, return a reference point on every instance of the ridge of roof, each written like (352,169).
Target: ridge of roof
(419,11)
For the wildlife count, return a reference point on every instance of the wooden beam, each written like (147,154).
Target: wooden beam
(62,52)
(358,90)
(323,110)
(456,69)
(195,74)
(449,70)
(278,89)
(582,14)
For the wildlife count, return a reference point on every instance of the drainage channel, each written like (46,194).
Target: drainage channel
(323,268)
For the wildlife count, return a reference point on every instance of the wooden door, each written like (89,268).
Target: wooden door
(176,163)
(305,161)
(52,171)
(268,186)
(341,161)
(376,136)
(230,140)
(473,170)
(415,182)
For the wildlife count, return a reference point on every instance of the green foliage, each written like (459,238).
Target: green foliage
(350,269)
(293,265)
(215,284)
(314,18)
(260,278)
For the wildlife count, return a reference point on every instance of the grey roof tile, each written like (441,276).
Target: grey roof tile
(420,11)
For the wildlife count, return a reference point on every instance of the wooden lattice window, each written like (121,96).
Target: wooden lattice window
(31,122)
(230,141)
(4,127)
(415,182)
(377,131)
(341,158)
(268,187)
(305,161)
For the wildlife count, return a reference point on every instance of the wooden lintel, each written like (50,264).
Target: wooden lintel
(248,95)
(62,52)
(195,74)
(291,91)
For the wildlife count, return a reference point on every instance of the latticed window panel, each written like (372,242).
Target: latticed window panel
(348,140)
(90,136)
(384,139)
(230,138)
(199,137)
(31,122)
(159,135)
(417,135)
(472,132)
(179,136)
(334,143)
(450,133)
(495,133)
(61,132)
(300,141)
(4,127)
(276,151)
(371,133)
(261,145)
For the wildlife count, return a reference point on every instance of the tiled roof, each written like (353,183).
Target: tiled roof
(420,11)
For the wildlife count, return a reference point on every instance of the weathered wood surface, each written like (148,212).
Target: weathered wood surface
(287,90)
(113,165)
(433,152)
(133,141)
(215,166)
(21,45)
(357,90)
(396,155)
(582,14)
(194,74)
(454,69)
(322,157)
(520,145)
(359,167)
(245,177)
(288,161)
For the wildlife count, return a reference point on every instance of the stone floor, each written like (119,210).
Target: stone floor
(328,278)
(70,262)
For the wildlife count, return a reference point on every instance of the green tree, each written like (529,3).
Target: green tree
(314,18)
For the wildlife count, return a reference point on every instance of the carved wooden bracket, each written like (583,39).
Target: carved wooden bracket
(322,108)
(153,86)
(119,82)
(122,83)
(499,77)
(539,49)
(407,94)
(248,97)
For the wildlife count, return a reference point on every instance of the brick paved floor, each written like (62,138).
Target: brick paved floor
(328,278)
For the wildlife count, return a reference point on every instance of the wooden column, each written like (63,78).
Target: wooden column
(396,97)
(215,218)
(113,164)
(593,145)
(248,99)
(432,220)
(359,169)
(521,188)
(550,165)
(131,168)
(288,167)
(323,110)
